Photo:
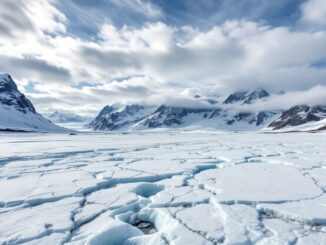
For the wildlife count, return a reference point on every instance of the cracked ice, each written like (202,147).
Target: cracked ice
(163,188)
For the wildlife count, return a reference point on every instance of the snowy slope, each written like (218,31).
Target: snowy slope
(176,188)
(300,116)
(18,113)
(311,126)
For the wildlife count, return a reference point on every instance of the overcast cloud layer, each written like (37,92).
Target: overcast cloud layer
(80,55)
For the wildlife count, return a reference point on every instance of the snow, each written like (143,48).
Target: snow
(283,231)
(310,126)
(187,187)
(203,218)
(236,183)
(50,217)
(113,232)
(12,119)
(241,223)
(311,211)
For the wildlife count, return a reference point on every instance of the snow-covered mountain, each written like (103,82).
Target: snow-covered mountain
(63,118)
(166,116)
(246,97)
(213,115)
(230,114)
(214,118)
(18,113)
(300,115)
(10,95)
(115,118)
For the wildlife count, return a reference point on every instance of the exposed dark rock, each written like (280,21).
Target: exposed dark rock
(11,96)
(168,115)
(110,118)
(246,97)
(299,115)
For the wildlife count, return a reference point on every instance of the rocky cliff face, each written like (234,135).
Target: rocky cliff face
(11,96)
(299,115)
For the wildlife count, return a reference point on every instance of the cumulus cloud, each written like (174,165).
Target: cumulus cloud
(314,11)
(154,61)
(238,54)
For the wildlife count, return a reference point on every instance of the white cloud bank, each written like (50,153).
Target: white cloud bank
(314,11)
(155,60)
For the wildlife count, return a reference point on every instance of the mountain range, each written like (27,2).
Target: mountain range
(19,114)
(229,114)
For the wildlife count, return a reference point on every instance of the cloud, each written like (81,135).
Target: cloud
(238,54)
(155,36)
(314,11)
(88,99)
(19,18)
(84,18)
(312,96)
(10,25)
(151,60)
(34,69)
(145,7)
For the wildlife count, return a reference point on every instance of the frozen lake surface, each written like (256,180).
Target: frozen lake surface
(163,188)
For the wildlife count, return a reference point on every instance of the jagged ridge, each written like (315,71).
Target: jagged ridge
(298,115)
(18,113)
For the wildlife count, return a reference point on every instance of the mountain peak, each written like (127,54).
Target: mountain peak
(259,91)
(11,96)
(106,109)
(7,83)
(5,76)
(246,97)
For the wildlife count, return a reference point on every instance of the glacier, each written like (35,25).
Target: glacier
(169,187)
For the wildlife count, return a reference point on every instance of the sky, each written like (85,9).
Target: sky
(79,55)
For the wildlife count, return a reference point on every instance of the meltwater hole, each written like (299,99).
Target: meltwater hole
(145,227)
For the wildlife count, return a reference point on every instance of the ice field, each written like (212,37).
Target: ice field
(163,188)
